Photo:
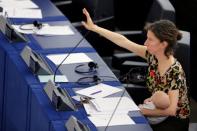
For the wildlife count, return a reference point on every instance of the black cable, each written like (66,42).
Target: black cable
(126,76)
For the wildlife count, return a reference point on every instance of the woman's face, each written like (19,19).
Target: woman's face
(153,44)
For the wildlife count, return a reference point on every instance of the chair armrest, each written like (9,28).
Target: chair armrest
(133,86)
(137,32)
(135,63)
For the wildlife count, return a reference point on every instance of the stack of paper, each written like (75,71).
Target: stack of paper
(20,9)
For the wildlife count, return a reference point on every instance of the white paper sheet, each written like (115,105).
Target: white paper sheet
(72,58)
(55,30)
(24,13)
(100,121)
(98,91)
(109,105)
(58,78)
(19,4)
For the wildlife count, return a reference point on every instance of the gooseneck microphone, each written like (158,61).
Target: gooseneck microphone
(69,55)
(74,47)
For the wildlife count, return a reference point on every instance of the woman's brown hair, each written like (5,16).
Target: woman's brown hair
(165,30)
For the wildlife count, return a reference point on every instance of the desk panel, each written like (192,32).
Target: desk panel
(4,47)
(16,97)
(2,61)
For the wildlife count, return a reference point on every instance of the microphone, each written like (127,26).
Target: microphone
(73,47)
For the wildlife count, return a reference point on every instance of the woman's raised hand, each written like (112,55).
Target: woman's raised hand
(89,23)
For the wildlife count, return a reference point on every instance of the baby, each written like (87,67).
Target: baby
(159,100)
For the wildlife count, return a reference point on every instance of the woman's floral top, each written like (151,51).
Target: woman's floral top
(173,79)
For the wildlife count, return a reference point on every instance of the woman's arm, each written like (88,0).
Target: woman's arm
(116,38)
(170,111)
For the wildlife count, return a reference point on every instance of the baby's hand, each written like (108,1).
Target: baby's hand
(147,100)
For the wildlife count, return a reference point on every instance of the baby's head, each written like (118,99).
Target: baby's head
(161,100)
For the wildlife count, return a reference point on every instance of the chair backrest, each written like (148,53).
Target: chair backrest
(182,54)
(161,9)
(98,9)
(78,5)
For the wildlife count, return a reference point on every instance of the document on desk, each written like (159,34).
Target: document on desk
(98,91)
(22,4)
(55,30)
(72,58)
(102,121)
(108,105)
(24,13)
(58,78)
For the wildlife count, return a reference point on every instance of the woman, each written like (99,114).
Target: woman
(165,72)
